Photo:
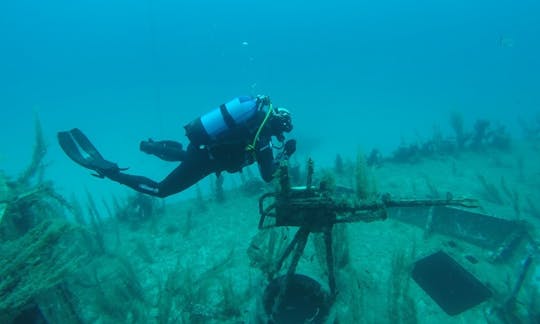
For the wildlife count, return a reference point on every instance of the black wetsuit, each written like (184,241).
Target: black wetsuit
(199,162)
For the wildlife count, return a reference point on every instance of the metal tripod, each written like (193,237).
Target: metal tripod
(298,245)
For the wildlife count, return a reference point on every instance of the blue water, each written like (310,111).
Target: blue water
(353,73)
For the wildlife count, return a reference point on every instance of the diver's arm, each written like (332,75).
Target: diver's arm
(266,162)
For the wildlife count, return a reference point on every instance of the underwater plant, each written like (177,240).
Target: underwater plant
(490,192)
(375,158)
(251,185)
(30,199)
(137,209)
(36,166)
(219,191)
(190,295)
(117,290)
(340,248)
(364,180)
(339,167)
(531,128)
(266,248)
(200,202)
(456,121)
(401,305)
(36,262)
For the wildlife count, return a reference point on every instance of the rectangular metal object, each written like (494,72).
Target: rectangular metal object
(476,228)
(450,285)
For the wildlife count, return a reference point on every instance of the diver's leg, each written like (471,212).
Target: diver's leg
(181,178)
(138,183)
(165,150)
(195,167)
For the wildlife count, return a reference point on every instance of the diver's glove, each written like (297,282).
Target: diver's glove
(263,100)
(289,148)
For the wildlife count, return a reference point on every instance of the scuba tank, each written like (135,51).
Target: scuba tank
(220,122)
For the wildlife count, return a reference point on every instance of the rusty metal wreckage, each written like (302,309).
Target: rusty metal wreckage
(315,210)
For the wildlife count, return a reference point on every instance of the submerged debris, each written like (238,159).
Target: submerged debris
(36,262)
(37,246)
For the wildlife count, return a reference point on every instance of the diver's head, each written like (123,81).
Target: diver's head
(281,121)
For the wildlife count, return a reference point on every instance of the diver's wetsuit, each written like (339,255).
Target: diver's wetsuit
(200,162)
(247,139)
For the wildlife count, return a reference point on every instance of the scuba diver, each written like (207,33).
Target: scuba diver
(228,138)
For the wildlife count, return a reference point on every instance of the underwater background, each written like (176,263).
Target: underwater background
(356,75)
(353,73)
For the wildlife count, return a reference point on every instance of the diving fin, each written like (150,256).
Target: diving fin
(79,148)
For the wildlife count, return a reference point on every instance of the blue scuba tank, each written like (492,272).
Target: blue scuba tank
(218,123)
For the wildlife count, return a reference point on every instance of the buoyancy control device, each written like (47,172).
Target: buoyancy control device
(221,121)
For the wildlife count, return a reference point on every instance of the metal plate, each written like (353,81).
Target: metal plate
(450,285)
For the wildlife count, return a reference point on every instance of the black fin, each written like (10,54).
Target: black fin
(79,148)
(72,149)
(85,143)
